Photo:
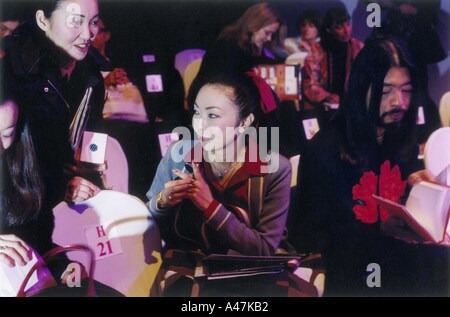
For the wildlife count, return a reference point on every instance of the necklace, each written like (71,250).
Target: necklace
(221,174)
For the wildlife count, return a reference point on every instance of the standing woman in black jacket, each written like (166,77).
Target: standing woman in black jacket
(50,65)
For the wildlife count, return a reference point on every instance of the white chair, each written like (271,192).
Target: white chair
(296,59)
(437,159)
(122,234)
(116,174)
(437,154)
(444,109)
(184,58)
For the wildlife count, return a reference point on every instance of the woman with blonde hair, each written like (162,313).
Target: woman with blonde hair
(240,46)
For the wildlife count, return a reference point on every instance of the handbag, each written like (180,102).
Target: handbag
(86,289)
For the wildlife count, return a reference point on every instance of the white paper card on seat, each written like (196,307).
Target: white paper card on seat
(93,148)
(311,127)
(103,240)
(165,140)
(154,83)
(290,86)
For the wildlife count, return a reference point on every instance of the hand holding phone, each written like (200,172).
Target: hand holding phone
(186,172)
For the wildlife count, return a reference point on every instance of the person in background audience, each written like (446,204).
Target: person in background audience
(230,203)
(309,23)
(315,72)
(341,50)
(49,66)
(240,46)
(114,76)
(8,26)
(10,16)
(369,148)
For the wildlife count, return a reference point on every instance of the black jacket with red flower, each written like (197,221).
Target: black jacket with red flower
(325,221)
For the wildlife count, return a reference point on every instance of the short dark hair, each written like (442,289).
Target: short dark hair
(335,16)
(311,16)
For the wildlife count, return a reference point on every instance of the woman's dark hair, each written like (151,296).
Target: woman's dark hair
(22,188)
(359,115)
(245,93)
(311,16)
(31,7)
(47,6)
(255,18)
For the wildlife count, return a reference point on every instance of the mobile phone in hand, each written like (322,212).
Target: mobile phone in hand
(187,169)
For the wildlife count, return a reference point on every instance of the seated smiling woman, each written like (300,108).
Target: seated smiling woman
(234,201)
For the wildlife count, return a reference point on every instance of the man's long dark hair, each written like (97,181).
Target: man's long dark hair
(359,116)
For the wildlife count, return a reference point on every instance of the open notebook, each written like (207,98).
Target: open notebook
(426,210)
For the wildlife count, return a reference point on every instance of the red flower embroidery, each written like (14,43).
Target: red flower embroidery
(390,186)
(366,209)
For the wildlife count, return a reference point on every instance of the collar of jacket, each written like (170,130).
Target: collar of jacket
(251,167)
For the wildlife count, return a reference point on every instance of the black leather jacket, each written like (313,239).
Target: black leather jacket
(51,101)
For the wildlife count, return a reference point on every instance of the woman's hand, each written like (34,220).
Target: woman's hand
(14,250)
(423,175)
(396,227)
(175,191)
(200,194)
(79,189)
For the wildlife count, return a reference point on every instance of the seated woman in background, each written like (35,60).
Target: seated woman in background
(240,46)
(231,203)
(314,72)
(21,190)
(308,26)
